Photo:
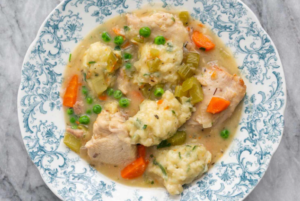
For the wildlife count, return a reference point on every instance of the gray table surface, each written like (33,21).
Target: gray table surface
(19,23)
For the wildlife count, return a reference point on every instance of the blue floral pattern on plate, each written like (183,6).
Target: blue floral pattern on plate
(42,121)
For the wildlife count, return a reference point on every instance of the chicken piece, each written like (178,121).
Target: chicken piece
(108,124)
(78,107)
(111,150)
(216,82)
(110,143)
(76,132)
(123,82)
(160,23)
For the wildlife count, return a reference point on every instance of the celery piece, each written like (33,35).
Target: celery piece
(139,39)
(189,83)
(72,142)
(98,84)
(184,17)
(185,71)
(196,94)
(153,65)
(179,93)
(146,90)
(111,62)
(178,138)
(193,58)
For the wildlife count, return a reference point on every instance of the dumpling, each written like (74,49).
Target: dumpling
(99,64)
(162,68)
(158,120)
(179,165)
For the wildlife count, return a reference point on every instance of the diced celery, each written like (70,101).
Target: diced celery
(184,17)
(185,71)
(178,138)
(153,65)
(112,62)
(72,142)
(87,134)
(154,52)
(179,93)
(193,58)
(138,39)
(98,84)
(189,83)
(196,93)
(146,90)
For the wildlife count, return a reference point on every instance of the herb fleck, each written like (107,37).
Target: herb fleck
(92,62)
(160,166)
(202,48)
(70,57)
(145,126)
(179,154)
(156,116)
(126,28)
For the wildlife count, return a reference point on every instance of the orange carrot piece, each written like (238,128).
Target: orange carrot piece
(202,41)
(103,97)
(134,169)
(160,102)
(166,108)
(141,151)
(117,31)
(70,96)
(217,105)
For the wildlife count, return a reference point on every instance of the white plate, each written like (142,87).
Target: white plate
(71,178)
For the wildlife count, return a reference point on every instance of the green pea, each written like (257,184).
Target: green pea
(128,66)
(84,119)
(84,90)
(145,32)
(106,37)
(118,94)
(225,134)
(159,40)
(110,91)
(127,56)
(89,100)
(72,120)
(70,111)
(89,111)
(159,92)
(118,40)
(97,109)
(124,102)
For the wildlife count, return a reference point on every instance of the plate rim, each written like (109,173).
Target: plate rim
(254,18)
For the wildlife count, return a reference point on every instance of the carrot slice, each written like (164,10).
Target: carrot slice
(160,102)
(134,169)
(70,96)
(103,97)
(117,31)
(217,105)
(202,41)
(141,151)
